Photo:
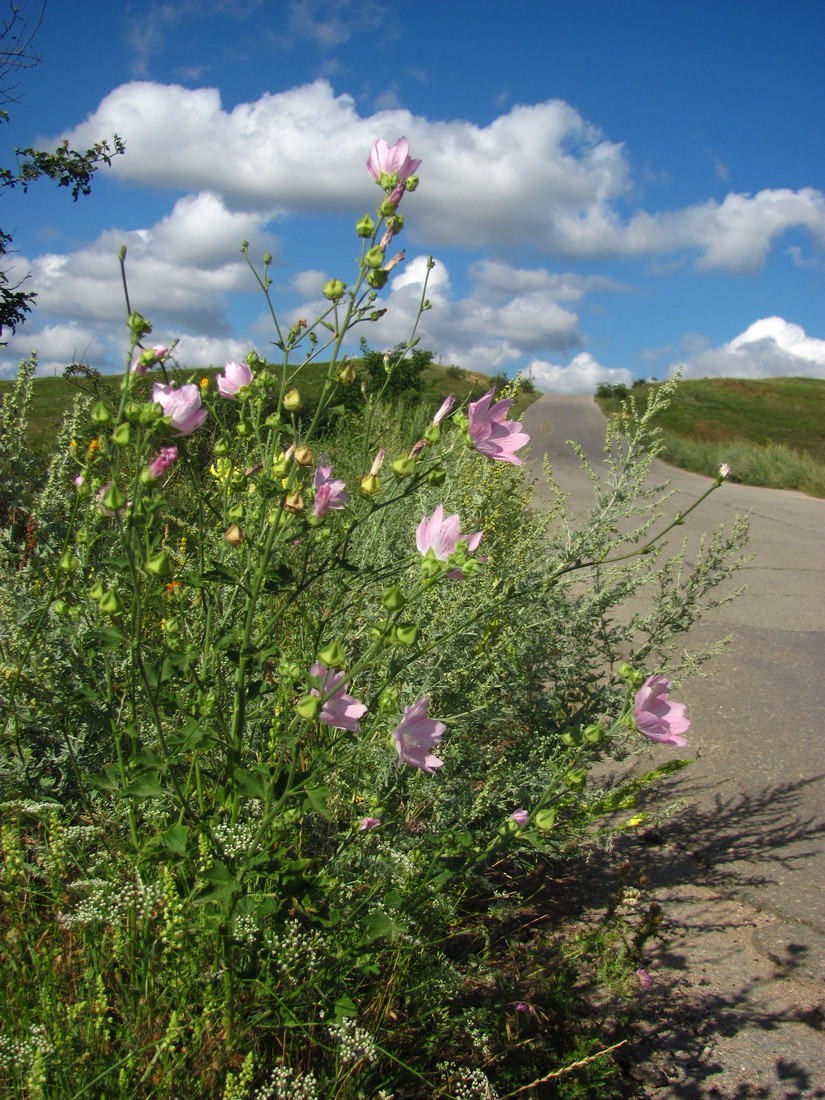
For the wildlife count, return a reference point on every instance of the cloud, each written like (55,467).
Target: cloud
(769,348)
(180,272)
(508,313)
(538,175)
(582,375)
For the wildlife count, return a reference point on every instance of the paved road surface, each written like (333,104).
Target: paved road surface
(743,866)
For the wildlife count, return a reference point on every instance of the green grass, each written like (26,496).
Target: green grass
(53,396)
(771,431)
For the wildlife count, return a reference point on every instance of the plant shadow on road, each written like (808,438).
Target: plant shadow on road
(721,1018)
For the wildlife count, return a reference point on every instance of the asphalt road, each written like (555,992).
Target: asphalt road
(753,828)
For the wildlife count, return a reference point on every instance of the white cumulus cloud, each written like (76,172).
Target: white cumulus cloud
(581,375)
(769,348)
(539,175)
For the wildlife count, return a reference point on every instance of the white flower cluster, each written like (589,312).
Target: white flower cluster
(234,840)
(354,1043)
(244,927)
(20,1053)
(466,1084)
(283,1085)
(111,902)
(30,806)
(296,952)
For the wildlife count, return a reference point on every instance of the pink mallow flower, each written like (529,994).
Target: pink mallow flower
(166,459)
(392,160)
(329,492)
(416,735)
(367,823)
(520,816)
(446,407)
(341,711)
(235,376)
(182,406)
(656,717)
(491,434)
(441,536)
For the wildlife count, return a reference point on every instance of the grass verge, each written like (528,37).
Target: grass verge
(771,432)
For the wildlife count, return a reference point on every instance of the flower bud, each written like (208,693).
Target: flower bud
(234,535)
(370,486)
(576,779)
(113,500)
(304,456)
(160,565)
(111,604)
(388,701)
(393,599)
(545,820)
(60,607)
(406,633)
(100,414)
(68,562)
(221,448)
(375,257)
(138,325)
(97,591)
(333,655)
(236,512)
(309,707)
(120,436)
(436,477)
(403,466)
(365,227)
(346,374)
(293,401)
(334,290)
(294,503)
(377,278)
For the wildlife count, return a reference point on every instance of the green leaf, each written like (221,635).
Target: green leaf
(345,1006)
(315,801)
(145,786)
(380,924)
(175,839)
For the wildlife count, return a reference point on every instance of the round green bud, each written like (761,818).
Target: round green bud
(120,436)
(377,278)
(111,604)
(68,562)
(365,227)
(393,599)
(293,401)
(100,414)
(334,289)
(375,257)
(309,707)
(160,565)
(403,466)
(333,655)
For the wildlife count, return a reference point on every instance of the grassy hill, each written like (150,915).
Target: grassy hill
(770,431)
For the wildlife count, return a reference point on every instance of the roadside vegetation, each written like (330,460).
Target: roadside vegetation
(771,432)
(302,699)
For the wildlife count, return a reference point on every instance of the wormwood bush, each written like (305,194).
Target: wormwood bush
(291,706)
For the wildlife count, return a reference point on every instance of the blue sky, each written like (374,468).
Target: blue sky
(609,189)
